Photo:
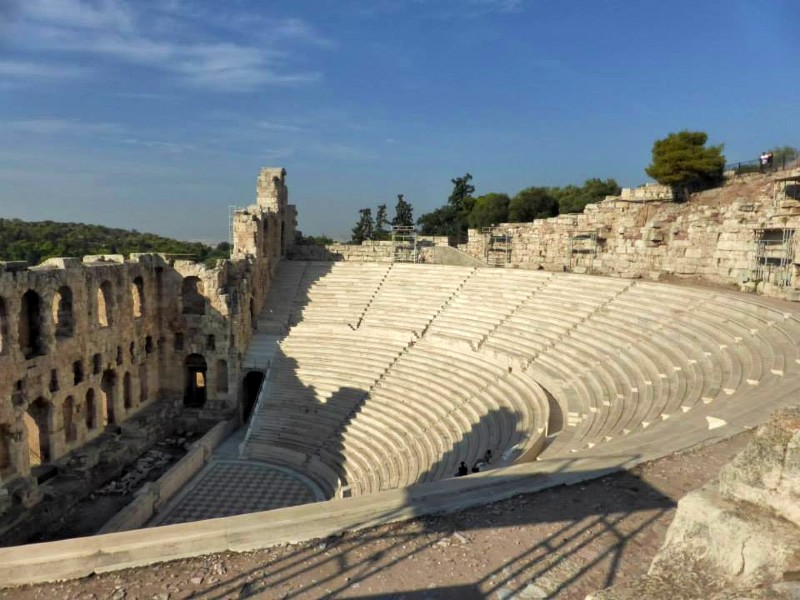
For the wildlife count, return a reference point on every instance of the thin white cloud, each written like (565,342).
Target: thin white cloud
(112,29)
(102,14)
(273,126)
(339,151)
(22,69)
(170,147)
(52,126)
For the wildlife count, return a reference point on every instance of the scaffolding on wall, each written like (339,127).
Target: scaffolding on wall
(774,256)
(498,247)
(582,248)
(404,244)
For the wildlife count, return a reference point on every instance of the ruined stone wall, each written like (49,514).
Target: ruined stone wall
(86,343)
(369,251)
(713,237)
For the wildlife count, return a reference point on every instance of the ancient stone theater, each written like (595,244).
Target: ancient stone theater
(343,387)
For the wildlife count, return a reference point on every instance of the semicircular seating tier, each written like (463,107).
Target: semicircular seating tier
(388,375)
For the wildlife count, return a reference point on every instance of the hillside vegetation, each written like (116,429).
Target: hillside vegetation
(38,241)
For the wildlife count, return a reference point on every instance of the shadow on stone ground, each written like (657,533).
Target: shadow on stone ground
(561,543)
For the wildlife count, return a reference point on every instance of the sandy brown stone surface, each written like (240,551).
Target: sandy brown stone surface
(561,543)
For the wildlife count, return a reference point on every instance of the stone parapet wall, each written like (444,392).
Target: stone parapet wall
(370,251)
(711,237)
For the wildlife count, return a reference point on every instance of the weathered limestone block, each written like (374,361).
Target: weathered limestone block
(735,539)
(767,472)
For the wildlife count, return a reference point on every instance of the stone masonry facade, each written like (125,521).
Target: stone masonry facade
(741,234)
(86,343)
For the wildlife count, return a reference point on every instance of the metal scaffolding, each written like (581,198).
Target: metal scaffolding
(404,244)
(774,255)
(582,248)
(498,247)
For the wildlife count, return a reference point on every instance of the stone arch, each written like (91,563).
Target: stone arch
(107,388)
(222,376)
(68,415)
(105,304)
(195,391)
(91,410)
(137,293)
(30,325)
(127,391)
(37,422)
(250,387)
(63,316)
(143,387)
(3,326)
(194,302)
(6,462)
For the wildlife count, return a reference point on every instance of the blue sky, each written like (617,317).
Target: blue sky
(157,114)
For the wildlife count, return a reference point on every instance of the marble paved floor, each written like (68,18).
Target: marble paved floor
(231,486)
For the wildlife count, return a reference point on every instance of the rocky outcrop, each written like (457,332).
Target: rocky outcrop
(739,536)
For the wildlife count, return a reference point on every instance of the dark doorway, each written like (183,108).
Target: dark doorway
(30,319)
(252,383)
(107,384)
(195,393)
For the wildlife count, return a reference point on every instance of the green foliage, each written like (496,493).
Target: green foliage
(403,213)
(312,240)
(532,203)
(683,162)
(365,228)
(381,224)
(452,219)
(38,241)
(489,210)
(445,220)
(573,199)
(462,190)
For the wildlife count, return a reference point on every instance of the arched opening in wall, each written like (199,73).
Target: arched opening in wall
(6,465)
(195,393)
(30,325)
(91,410)
(105,304)
(252,383)
(137,291)
(62,313)
(222,376)
(68,414)
(107,384)
(37,422)
(127,391)
(3,326)
(143,384)
(194,303)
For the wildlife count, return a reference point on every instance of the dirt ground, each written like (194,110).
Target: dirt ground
(561,543)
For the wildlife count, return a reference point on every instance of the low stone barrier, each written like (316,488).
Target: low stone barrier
(152,496)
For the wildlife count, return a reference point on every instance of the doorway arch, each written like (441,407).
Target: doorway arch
(250,387)
(195,393)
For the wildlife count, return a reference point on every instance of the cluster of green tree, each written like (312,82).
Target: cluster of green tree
(312,240)
(464,211)
(38,241)
(379,228)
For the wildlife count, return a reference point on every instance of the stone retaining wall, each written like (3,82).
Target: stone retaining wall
(155,495)
(712,237)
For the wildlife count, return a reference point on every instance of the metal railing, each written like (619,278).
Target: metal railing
(754,166)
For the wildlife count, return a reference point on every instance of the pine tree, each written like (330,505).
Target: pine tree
(683,162)
(403,213)
(365,228)
(381,223)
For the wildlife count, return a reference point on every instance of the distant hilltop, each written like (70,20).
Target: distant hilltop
(37,241)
